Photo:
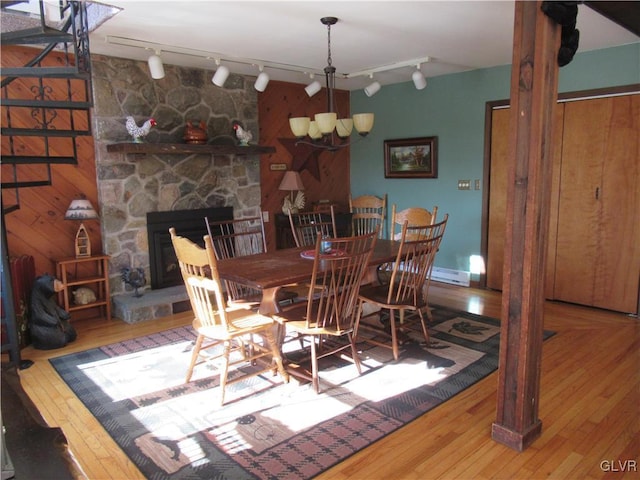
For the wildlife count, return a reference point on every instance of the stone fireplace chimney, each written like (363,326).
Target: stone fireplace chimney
(132,185)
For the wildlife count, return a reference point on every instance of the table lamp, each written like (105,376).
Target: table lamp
(291,182)
(81,210)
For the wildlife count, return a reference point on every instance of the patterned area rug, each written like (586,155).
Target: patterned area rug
(269,429)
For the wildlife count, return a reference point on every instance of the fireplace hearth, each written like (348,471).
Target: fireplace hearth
(188,223)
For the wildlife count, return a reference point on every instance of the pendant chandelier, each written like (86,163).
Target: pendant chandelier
(322,128)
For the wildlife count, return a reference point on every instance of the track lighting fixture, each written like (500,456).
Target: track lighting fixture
(262,81)
(222,72)
(156,68)
(371,89)
(418,78)
(221,75)
(313,88)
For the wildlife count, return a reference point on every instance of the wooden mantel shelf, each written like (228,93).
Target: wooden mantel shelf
(179,148)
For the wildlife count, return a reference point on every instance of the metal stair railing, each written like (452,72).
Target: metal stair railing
(55,122)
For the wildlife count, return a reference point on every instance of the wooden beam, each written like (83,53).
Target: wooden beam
(534,82)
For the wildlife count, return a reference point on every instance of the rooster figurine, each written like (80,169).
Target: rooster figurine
(243,136)
(293,206)
(134,277)
(139,132)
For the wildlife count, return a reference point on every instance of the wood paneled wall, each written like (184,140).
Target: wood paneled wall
(280,101)
(38,228)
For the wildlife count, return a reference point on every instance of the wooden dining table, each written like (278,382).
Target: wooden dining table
(271,271)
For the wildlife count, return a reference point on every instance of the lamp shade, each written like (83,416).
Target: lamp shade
(314,131)
(363,122)
(291,181)
(221,75)
(326,122)
(156,68)
(299,126)
(80,210)
(344,126)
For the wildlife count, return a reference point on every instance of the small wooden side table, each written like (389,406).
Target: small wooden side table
(91,272)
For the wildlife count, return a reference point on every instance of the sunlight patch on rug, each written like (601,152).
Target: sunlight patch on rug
(271,411)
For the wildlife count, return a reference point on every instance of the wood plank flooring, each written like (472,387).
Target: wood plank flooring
(589,406)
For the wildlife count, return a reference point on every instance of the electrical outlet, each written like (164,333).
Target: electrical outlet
(477,184)
(265,217)
(464,184)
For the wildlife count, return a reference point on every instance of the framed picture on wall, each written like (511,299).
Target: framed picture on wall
(411,158)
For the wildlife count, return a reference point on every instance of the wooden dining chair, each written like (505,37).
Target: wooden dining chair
(407,288)
(413,215)
(367,213)
(330,315)
(225,335)
(307,226)
(237,238)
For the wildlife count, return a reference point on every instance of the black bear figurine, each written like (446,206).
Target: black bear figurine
(48,323)
(564,14)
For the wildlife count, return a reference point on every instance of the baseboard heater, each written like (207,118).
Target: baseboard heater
(448,275)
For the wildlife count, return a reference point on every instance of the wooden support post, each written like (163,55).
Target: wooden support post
(533,97)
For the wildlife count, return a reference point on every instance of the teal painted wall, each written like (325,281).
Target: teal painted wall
(452,108)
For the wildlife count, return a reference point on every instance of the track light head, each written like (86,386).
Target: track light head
(313,88)
(156,68)
(418,79)
(371,89)
(262,81)
(221,75)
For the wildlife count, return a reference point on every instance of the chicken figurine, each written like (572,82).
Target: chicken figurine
(138,133)
(134,277)
(293,206)
(243,136)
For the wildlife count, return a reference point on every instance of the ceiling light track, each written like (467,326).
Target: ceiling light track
(168,49)
(305,70)
(390,66)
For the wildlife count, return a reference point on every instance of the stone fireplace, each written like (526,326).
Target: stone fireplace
(131,185)
(189,224)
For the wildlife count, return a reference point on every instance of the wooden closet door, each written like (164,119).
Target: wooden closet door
(598,247)
(498,198)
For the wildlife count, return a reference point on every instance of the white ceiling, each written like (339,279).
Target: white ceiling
(457,35)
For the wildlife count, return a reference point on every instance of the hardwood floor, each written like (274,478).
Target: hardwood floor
(589,406)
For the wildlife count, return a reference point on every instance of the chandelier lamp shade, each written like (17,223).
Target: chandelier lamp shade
(81,210)
(156,68)
(325,124)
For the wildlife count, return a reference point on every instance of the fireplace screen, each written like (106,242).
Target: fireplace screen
(189,224)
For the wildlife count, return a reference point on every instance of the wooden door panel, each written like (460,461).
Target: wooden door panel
(498,198)
(598,247)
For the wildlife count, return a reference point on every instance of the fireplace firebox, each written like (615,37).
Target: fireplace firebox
(189,224)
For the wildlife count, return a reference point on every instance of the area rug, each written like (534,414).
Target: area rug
(267,428)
